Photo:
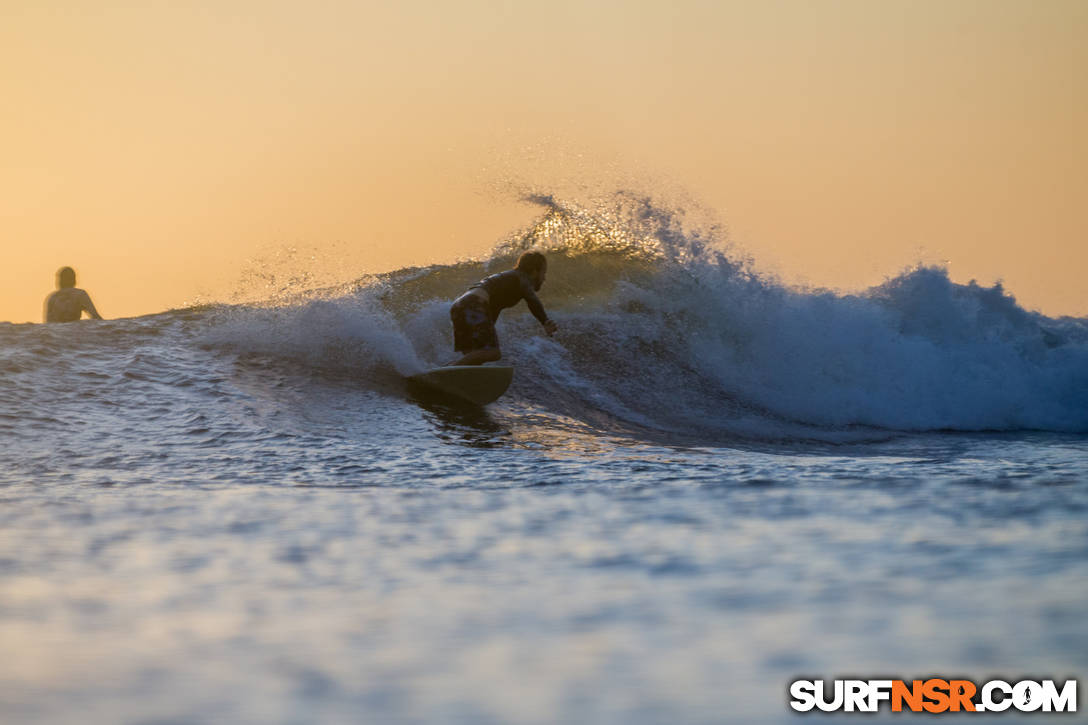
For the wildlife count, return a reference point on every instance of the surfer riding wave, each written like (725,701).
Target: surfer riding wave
(475,312)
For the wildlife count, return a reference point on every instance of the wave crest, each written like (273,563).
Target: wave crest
(661,327)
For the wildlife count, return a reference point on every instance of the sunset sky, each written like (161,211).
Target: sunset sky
(168,150)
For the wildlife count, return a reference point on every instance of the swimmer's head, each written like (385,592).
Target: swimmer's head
(66,277)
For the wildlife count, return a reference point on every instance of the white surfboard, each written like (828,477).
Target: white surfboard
(479,384)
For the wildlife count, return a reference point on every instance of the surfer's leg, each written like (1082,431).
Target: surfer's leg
(473,332)
(478,357)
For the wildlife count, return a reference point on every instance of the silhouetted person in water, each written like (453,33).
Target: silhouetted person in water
(69,302)
(474,313)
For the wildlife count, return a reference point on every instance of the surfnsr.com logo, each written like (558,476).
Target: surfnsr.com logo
(933,696)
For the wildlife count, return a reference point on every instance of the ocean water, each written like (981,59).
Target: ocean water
(708,484)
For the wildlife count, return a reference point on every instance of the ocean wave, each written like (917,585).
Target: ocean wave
(661,327)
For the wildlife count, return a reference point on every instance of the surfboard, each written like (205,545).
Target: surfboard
(479,384)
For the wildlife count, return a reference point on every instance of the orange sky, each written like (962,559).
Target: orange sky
(156,148)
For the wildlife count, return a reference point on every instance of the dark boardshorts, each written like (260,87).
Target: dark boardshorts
(472,325)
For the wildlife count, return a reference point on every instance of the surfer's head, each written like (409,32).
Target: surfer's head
(534,266)
(66,277)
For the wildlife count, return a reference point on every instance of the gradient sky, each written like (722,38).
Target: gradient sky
(160,148)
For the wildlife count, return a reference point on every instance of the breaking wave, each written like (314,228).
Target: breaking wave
(661,328)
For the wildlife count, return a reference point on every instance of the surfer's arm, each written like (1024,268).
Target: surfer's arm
(538,312)
(89,307)
(535,307)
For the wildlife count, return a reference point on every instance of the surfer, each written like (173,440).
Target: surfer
(474,313)
(69,302)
